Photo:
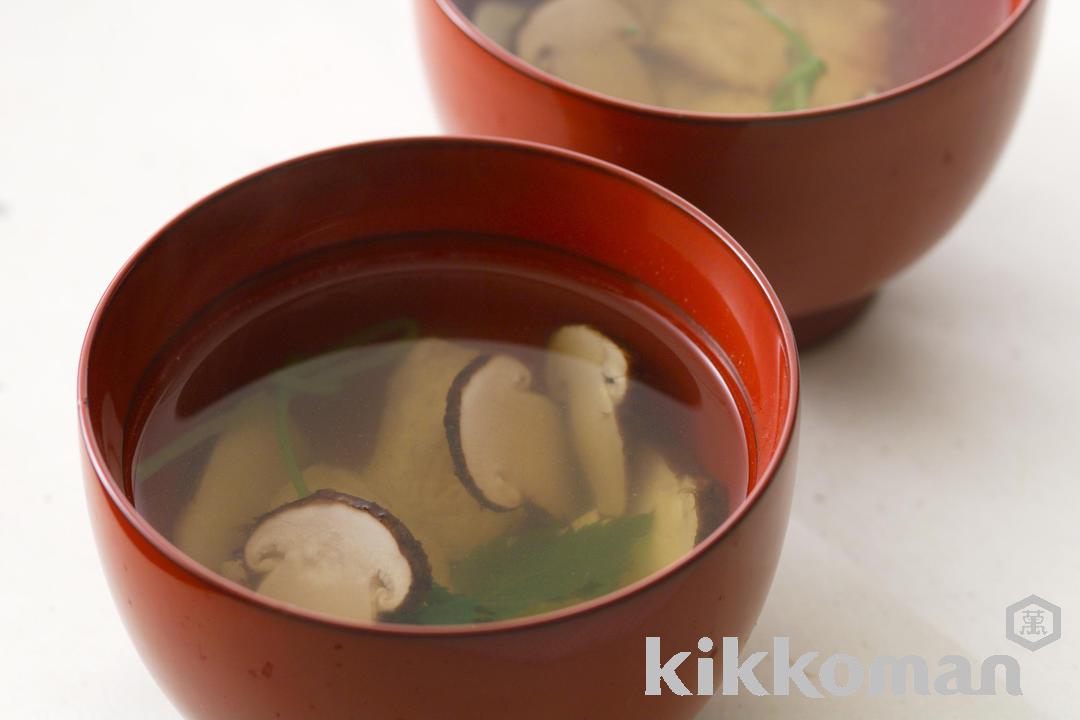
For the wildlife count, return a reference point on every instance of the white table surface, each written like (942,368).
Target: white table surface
(939,476)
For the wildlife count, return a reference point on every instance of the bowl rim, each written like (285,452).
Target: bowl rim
(458,17)
(118,499)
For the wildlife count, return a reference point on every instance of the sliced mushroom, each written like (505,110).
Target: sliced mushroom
(679,516)
(244,468)
(507,442)
(340,555)
(500,19)
(591,43)
(328,477)
(587,374)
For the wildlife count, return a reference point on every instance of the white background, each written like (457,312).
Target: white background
(940,473)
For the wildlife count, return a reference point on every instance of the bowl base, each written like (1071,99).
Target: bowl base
(816,328)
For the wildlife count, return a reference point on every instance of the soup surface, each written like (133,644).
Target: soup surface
(738,56)
(439,430)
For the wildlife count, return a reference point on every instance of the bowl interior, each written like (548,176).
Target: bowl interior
(384,189)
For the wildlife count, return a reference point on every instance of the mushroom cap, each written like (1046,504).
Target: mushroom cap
(588,374)
(507,442)
(343,480)
(592,43)
(340,555)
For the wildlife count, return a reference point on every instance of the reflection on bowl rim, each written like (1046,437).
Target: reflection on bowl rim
(120,501)
(465,25)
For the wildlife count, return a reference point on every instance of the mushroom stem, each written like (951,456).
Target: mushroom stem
(587,373)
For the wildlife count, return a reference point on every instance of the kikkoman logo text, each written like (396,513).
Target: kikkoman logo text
(839,675)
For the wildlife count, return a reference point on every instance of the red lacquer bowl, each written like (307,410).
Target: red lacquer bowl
(830,202)
(220,651)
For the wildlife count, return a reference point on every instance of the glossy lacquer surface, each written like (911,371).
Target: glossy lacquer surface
(831,203)
(220,651)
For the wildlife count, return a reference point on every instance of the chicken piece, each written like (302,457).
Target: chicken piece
(681,89)
(591,43)
(245,466)
(412,473)
(412,468)
(647,12)
(723,41)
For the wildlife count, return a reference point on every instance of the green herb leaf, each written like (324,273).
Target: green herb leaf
(794,89)
(442,607)
(532,573)
(183,445)
(324,375)
(548,569)
(321,376)
(284,440)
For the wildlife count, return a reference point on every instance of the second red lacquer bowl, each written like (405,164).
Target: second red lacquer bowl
(831,202)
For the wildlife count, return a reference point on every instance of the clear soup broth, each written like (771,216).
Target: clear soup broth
(439,430)
(738,56)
